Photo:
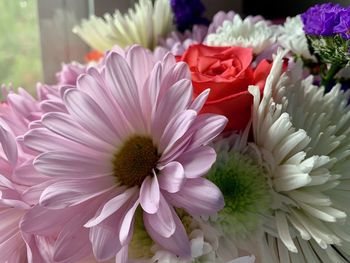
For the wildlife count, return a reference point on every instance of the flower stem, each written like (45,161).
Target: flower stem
(328,77)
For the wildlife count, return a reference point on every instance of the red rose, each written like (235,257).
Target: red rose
(228,72)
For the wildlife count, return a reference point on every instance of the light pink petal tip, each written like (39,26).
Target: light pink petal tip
(9,145)
(198,161)
(199,197)
(172,177)
(150,194)
(162,222)
(178,243)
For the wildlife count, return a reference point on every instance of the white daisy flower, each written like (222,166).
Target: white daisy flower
(142,25)
(286,191)
(293,37)
(250,32)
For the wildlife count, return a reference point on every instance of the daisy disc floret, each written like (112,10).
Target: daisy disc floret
(131,138)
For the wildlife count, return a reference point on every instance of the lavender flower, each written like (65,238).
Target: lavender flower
(188,13)
(343,28)
(322,19)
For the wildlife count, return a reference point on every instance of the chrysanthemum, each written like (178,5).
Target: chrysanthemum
(207,245)
(21,187)
(20,184)
(295,196)
(292,37)
(143,25)
(132,139)
(256,34)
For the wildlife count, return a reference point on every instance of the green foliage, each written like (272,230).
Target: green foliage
(20,60)
(331,50)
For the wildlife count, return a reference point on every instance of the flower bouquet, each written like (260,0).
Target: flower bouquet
(225,141)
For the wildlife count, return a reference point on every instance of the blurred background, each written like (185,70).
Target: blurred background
(36,35)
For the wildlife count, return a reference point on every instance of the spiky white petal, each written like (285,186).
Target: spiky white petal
(248,32)
(293,37)
(142,25)
(303,137)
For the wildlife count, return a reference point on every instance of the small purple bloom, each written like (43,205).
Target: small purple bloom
(322,19)
(188,13)
(343,28)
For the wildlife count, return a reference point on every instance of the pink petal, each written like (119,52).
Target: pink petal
(9,145)
(10,219)
(175,129)
(66,193)
(149,93)
(150,195)
(177,243)
(53,106)
(90,115)
(5,182)
(98,91)
(73,240)
(207,127)
(14,245)
(97,75)
(50,220)
(172,177)
(173,73)
(40,253)
(112,206)
(53,142)
(63,125)
(198,197)
(26,174)
(122,255)
(175,100)
(122,84)
(169,61)
(32,194)
(7,201)
(109,236)
(69,165)
(161,222)
(21,104)
(198,103)
(198,161)
(141,63)
(126,228)
(105,242)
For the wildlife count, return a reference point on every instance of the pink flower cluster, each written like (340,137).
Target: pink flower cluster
(82,161)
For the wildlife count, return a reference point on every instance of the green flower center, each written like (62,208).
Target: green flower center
(244,187)
(135,160)
(140,246)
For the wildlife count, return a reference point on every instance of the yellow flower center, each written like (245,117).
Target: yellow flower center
(135,160)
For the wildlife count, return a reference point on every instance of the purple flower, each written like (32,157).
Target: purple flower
(343,28)
(322,19)
(188,13)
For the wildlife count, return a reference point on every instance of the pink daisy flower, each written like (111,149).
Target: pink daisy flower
(132,139)
(21,186)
